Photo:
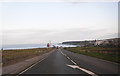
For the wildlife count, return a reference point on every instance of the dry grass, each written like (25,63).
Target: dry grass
(96,49)
(110,54)
(13,56)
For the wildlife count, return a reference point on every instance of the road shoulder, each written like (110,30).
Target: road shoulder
(18,67)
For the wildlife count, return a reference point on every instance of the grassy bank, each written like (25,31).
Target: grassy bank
(13,56)
(110,54)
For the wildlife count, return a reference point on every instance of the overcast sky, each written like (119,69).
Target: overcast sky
(39,22)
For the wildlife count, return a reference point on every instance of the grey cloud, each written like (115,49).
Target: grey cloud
(41,36)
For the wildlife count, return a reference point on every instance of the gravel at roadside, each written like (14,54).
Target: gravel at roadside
(18,67)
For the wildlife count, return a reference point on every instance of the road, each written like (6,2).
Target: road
(65,62)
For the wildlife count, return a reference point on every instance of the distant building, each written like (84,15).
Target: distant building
(105,42)
(98,42)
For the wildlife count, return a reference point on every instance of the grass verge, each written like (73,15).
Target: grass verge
(101,53)
(13,56)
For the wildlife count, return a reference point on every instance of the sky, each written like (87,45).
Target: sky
(40,22)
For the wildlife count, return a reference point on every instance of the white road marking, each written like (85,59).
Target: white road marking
(75,66)
(63,53)
(26,69)
(87,71)
(73,62)
(30,67)
(72,66)
(68,57)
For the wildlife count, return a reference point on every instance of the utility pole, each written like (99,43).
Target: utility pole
(95,43)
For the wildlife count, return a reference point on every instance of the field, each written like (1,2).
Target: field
(110,54)
(13,56)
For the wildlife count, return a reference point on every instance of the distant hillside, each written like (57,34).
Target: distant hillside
(108,42)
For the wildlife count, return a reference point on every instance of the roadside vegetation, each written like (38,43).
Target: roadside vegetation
(0,56)
(106,53)
(13,56)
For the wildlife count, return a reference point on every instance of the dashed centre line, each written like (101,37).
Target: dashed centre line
(68,57)
(73,62)
(76,66)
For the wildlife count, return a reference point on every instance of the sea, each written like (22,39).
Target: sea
(29,46)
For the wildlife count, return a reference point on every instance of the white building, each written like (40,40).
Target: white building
(98,42)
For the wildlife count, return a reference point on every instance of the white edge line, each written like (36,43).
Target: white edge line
(31,66)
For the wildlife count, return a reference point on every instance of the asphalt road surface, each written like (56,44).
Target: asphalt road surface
(65,62)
